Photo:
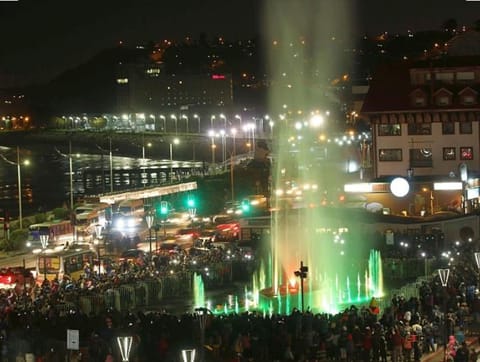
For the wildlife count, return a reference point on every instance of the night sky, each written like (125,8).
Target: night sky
(41,38)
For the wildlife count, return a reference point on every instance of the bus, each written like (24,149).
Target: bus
(58,232)
(57,264)
(131,207)
(86,223)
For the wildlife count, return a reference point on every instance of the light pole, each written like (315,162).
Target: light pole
(185,117)
(202,315)
(149,220)
(174,117)
(19,182)
(164,122)
(239,119)
(211,133)
(212,118)
(222,116)
(196,116)
(125,346)
(222,134)
(44,241)
(232,163)
(188,355)
(110,160)
(444,274)
(175,141)
(302,274)
(70,167)
(98,233)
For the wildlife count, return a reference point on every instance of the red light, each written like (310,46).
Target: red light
(218,76)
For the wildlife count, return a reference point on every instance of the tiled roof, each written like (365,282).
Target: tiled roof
(390,89)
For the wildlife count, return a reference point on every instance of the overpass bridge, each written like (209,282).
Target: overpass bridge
(147,192)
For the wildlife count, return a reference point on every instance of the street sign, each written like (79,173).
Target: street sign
(73,339)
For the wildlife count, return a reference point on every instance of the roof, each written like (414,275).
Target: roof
(391,89)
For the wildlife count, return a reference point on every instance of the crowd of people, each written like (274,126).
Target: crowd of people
(35,323)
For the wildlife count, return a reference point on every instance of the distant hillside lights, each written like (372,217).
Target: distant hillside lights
(15,122)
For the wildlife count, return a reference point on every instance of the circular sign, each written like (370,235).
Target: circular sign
(399,187)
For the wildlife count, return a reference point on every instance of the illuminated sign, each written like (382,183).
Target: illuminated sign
(218,76)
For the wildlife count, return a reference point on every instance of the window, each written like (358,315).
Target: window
(466,153)
(466,127)
(444,76)
(420,101)
(449,153)
(389,130)
(443,100)
(465,75)
(448,128)
(421,157)
(419,128)
(390,154)
(468,100)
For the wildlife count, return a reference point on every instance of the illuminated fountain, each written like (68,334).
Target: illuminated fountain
(304,39)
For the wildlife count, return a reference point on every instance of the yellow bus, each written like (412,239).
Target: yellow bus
(71,263)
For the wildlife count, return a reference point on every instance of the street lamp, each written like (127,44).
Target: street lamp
(232,163)
(149,220)
(98,233)
(70,166)
(185,117)
(444,274)
(211,133)
(196,116)
(164,122)
(174,117)
(222,116)
(223,135)
(111,160)
(125,346)
(239,119)
(188,355)
(212,118)
(19,182)
(202,315)
(44,241)
(175,141)
(302,274)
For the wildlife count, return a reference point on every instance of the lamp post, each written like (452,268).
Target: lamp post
(70,169)
(223,135)
(164,122)
(149,220)
(185,117)
(302,274)
(98,233)
(196,116)
(232,163)
(188,355)
(174,117)
(202,315)
(222,116)
(175,141)
(125,346)
(44,241)
(211,133)
(444,274)
(110,159)
(19,182)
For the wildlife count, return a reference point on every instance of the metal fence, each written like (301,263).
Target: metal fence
(129,296)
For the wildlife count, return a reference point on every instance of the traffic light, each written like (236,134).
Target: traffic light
(163,208)
(246,205)
(191,203)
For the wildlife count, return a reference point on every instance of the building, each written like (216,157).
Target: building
(425,121)
(147,88)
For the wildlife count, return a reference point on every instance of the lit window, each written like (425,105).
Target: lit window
(390,154)
(449,153)
(466,153)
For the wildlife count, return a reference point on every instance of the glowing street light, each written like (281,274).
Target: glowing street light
(211,133)
(185,117)
(44,241)
(125,346)
(222,116)
(196,116)
(174,117)
(175,141)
